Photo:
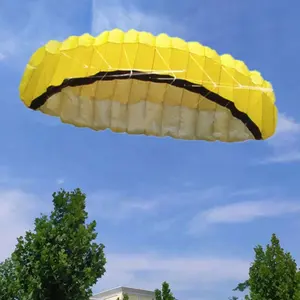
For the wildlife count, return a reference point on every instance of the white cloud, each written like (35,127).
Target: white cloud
(191,197)
(60,181)
(114,14)
(8,45)
(117,206)
(9,180)
(178,211)
(287,125)
(17,212)
(164,212)
(186,272)
(245,192)
(164,225)
(40,21)
(290,156)
(18,209)
(241,212)
(285,144)
(287,133)
(35,23)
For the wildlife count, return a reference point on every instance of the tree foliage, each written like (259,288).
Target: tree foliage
(9,282)
(124,297)
(272,275)
(59,259)
(165,293)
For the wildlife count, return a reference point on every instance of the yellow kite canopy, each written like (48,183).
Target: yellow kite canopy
(138,83)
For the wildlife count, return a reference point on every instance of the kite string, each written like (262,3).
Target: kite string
(198,65)
(128,62)
(102,57)
(85,66)
(166,64)
(234,79)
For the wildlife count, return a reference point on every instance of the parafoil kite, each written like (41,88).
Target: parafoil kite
(138,83)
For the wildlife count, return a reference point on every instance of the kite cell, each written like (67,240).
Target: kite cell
(139,83)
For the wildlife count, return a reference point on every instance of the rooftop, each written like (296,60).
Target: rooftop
(125,290)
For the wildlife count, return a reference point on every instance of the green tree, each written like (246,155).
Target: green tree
(9,283)
(158,295)
(124,297)
(165,293)
(272,275)
(60,259)
(297,296)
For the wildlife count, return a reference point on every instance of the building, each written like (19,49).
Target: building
(134,294)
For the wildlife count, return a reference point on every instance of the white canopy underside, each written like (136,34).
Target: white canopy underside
(145,117)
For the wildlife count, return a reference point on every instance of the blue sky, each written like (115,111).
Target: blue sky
(186,212)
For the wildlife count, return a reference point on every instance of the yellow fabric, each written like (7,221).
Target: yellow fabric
(85,55)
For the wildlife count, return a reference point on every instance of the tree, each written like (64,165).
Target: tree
(165,293)
(272,275)
(297,296)
(60,259)
(9,284)
(124,297)
(158,295)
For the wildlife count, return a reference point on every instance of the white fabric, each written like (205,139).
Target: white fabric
(146,117)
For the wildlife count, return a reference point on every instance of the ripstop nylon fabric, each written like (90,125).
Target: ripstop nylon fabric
(144,106)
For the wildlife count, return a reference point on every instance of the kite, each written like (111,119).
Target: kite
(137,83)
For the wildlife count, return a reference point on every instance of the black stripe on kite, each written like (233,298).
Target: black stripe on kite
(159,78)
